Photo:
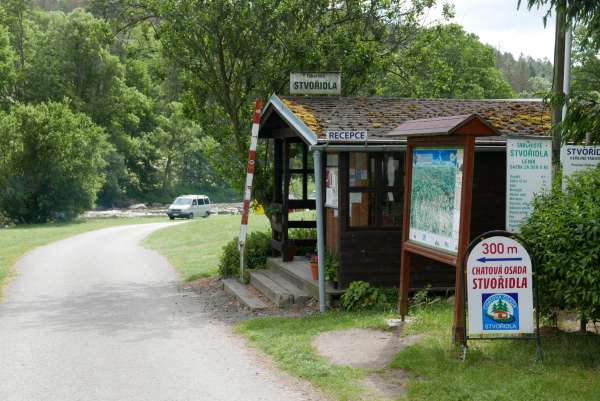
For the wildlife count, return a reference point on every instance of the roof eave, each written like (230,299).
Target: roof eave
(294,122)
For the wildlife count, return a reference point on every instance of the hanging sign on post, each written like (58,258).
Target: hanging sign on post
(576,158)
(528,173)
(315,83)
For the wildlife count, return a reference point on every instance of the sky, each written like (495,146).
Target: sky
(500,24)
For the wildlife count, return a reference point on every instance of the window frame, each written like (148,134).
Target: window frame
(378,187)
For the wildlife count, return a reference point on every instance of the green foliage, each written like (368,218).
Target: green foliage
(446,62)
(332,266)
(8,73)
(583,113)
(51,162)
(583,119)
(222,76)
(361,296)
(563,233)
(257,248)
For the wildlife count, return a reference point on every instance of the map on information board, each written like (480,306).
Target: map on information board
(435,197)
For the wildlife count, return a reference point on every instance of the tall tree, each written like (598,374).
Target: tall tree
(7,68)
(583,116)
(51,162)
(232,51)
(445,61)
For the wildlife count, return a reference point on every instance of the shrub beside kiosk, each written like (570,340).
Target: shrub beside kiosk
(437,199)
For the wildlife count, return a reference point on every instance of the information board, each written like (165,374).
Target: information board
(435,197)
(528,172)
(576,158)
(499,288)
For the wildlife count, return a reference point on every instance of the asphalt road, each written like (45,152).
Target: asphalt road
(98,317)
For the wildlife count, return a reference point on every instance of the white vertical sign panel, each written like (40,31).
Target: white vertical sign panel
(528,172)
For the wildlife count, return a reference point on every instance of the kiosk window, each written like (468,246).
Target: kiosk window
(375,190)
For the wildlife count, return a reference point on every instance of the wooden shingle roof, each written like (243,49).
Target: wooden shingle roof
(380,115)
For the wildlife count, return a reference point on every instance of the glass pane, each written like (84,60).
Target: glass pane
(362,209)
(361,170)
(391,209)
(295,191)
(295,155)
(392,171)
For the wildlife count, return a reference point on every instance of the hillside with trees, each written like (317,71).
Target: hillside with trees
(168,86)
(527,76)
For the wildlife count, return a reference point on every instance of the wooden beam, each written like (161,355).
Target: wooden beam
(302,224)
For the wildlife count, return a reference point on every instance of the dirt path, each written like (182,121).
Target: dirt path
(98,317)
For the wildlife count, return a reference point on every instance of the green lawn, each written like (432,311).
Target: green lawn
(194,248)
(493,370)
(499,370)
(18,240)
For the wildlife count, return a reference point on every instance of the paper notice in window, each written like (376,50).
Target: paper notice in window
(355,197)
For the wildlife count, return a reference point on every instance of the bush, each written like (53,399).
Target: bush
(51,162)
(258,248)
(360,295)
(332,266)
(563,233)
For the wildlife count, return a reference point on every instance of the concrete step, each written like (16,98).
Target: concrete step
(270,289)
(277,288)
(299,296)
(241,292)
(297,273)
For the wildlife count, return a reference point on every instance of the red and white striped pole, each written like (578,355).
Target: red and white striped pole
(248,186)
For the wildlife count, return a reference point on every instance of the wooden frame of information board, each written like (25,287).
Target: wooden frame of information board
(457,132)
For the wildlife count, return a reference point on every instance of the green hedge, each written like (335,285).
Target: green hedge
(563,232)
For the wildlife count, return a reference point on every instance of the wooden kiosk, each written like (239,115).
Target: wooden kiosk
(439,169)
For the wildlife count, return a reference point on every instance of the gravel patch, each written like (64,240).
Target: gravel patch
(362,348)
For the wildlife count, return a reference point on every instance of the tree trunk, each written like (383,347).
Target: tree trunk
(167,176)
(583,324)
(557,83)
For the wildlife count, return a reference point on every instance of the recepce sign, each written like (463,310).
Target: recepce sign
(346,136)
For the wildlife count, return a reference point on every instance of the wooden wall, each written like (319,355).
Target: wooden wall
(331,230)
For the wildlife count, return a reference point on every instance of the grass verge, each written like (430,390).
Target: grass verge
(498,370)
(289,342)
(493,370)
(194,248)
(18,240)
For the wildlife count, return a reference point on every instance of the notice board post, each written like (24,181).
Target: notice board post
(438,197)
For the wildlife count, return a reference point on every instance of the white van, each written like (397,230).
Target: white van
(189,206)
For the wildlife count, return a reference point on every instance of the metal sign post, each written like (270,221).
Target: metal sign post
(248,186)
(500,299)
